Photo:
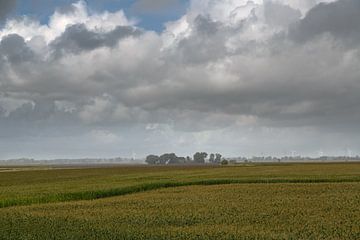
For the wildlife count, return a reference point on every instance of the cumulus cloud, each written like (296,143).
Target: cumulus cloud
(77,13)
(340,19)
(231,75)
(14,49)
(77,38)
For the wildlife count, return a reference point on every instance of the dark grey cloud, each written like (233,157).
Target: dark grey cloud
(14,49)
(340,19)
(5,7)
(78,38)
(207,34)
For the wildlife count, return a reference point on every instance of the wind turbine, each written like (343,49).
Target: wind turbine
(133,156)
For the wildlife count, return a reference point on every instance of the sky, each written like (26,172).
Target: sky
(136,77)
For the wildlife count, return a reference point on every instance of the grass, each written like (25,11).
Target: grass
(282,201)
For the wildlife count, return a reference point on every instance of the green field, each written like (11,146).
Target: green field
(273,201)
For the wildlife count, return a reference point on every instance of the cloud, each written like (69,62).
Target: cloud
(77,38)
(278,14)
(14,48)
(5,7)
(76,13)
(232,75)
(337,18)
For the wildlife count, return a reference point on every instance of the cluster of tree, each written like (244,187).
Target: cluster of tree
(171,158)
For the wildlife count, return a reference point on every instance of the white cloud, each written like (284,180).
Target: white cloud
(60,20)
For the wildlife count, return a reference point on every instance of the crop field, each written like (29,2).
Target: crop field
(254,201)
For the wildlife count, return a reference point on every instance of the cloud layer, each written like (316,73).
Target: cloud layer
(241,77)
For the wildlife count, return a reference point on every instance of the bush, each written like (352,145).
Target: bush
(224,162)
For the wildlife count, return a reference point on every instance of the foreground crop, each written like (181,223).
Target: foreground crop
(245,211)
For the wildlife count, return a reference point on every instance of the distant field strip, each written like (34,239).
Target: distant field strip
(98,194)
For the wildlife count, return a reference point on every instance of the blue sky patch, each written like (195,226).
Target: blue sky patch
(151,16)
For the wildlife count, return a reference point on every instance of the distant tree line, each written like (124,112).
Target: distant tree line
(171,158)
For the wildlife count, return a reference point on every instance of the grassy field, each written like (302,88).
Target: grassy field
(279,201)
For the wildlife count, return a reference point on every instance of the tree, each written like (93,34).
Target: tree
(218,158)
(180,160)
(224,162)
(168,158)
(199,157)
(212,158)
(152,159)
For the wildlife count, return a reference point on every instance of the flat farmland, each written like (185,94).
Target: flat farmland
(255,201)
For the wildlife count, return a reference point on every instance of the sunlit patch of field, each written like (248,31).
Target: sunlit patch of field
(19,169)
(6,169)
(280,201)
